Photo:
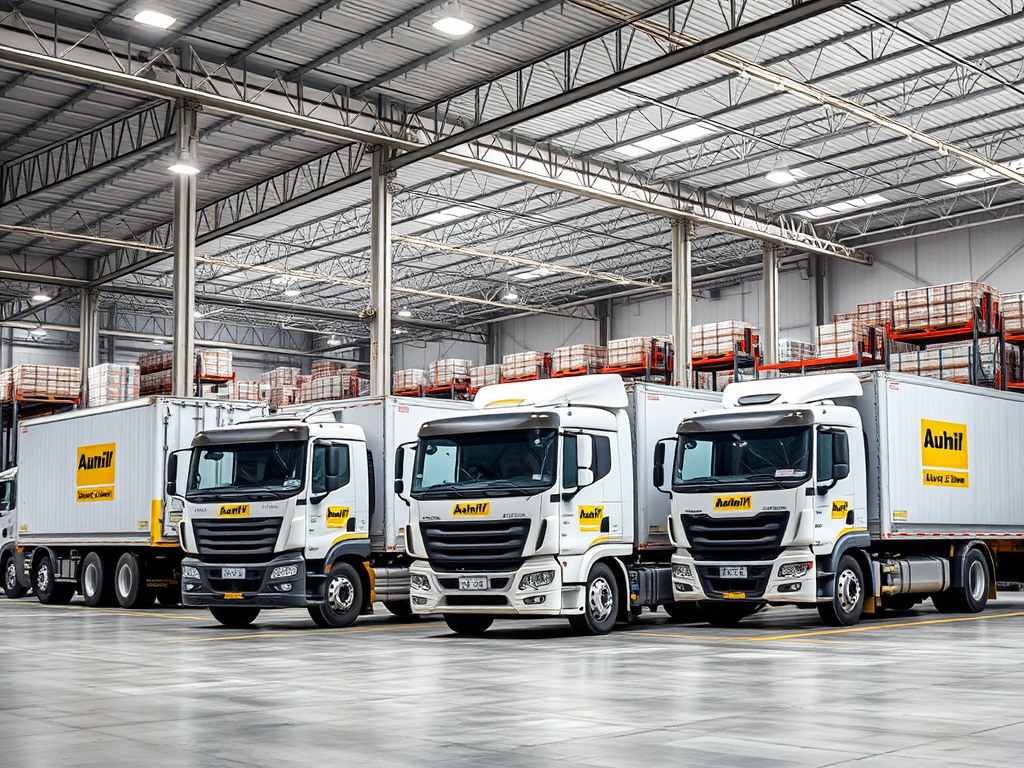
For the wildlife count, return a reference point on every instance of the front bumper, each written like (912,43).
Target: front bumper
(502,597)
(763,583)
(256,590)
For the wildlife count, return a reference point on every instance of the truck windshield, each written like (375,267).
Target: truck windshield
(509,463)
(252,470)
(768,458)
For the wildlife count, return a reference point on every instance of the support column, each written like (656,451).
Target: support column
(183,361)
(819,267)
(682,301)
(491,357)
(88,336)
(604,320)
(770,305)
(380,275)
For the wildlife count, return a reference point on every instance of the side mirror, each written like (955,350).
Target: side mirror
(334,475)
(584,460)
(840,471)
(400,470)
(659,464)
(171,488)
(840,455)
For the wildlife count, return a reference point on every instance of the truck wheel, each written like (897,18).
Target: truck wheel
(601,603)
(683,611)
(235,617)
(848,595)
(130,583)
(399,608)
(97,582)
(343,597)
(727,614)
(972,597)
(468,623)
(48,591)
(12,587)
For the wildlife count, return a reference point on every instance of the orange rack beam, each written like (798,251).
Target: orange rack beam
(851,361)
(960,332)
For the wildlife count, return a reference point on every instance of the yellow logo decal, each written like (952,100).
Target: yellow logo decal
(590,518)
(944,478)
(943,444)
(733,503)
(840,509)
(899,515)
(337,517)
(105,493)
(96,464)
(233,510)
(472,509)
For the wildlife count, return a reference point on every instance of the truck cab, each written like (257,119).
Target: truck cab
(768,495)
(276,513)
(8,533)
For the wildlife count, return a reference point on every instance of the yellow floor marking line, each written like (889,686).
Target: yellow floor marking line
(301,630)
(822,632)
(114,611)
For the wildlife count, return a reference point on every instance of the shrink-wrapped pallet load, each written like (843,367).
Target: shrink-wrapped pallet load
(484,375)
(215,363)
(46,381)
(409,379)
(841,339)
(954,361)
(245,390)
(156,383)
(111,383)
(717,338)
(588,358)
(792,350)
(449,371)
(938,306)
(522,365)
(282,376)
(1012,305)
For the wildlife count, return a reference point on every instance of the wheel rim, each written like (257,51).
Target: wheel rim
(124,580)
(340,594)
(43,577)
(848,591)
(10,576)
(976,580)
(90,580)
(601,598)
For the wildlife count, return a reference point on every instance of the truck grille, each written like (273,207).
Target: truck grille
(736,538)
(475,545)
(236,539)
(716,586)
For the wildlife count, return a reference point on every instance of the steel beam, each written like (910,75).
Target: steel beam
(770,305)
(380,275)
(88,336)
(682,301)
(184,253)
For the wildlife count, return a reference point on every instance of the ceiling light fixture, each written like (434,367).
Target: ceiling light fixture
(185,165)
(534,274)
(785,176)
(663,141)
(154,19)
(38,332)
(404,313)
(333,341)
(511,295)
(41,297)
(446,215)
(831,209)
(292,292)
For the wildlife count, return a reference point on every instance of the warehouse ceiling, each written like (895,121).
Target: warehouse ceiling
(539,158)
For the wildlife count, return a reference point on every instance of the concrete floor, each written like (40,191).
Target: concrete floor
(170,687)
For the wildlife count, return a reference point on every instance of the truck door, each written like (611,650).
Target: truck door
(338,496)
(8,523)
(593,514)
(836,506)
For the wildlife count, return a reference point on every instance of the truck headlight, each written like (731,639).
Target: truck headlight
(536,580)
(794,570)
(284,572)
(188,572)
(419,581)
(682,571)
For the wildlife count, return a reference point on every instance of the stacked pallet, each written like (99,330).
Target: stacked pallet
(245,390)
(717,338)
(215,364)
(46,381)
(334,387)
(954,361)
(938,306)
(110,383)
(278,396)
(522,365)
(6,385)
(151,362)
(282,376)
(484,375)
(1012,306)
(156,383)
(793,350)
(449,371)
(409,379)
(579,357)
(841,339)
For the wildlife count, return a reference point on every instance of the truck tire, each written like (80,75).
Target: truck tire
(235,617)
(12,587)
(400,608)
(343,597)
(601,603)
(972,597)
(468,623)
(683,612)
(49,591)
(130,583)
(727,614)
(848,595)
(97,585)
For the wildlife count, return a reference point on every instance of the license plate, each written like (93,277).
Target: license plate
(739,572)
(232,573)
(473,582)
(734,595)
(233,596)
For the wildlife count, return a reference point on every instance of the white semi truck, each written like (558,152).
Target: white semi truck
(849,494)
(90,513)
(541,503)
(299,510)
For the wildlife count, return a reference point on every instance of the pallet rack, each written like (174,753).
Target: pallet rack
(870,352)
(745,356)
(19,408)
(656,367)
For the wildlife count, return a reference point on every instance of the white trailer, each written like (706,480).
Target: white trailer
(849,494)
(302,510)
(92,515)
(542,503)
